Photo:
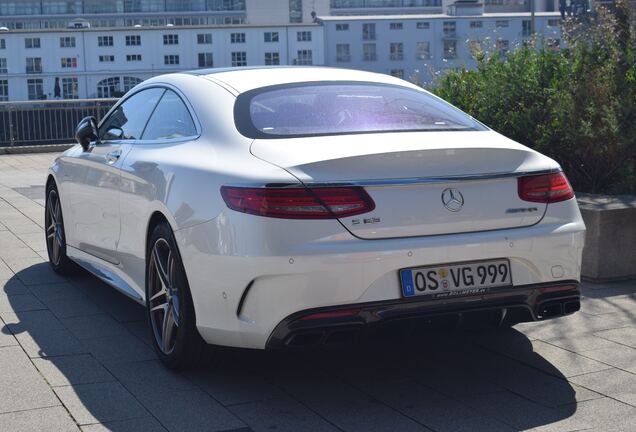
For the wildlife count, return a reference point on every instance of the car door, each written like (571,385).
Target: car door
(147,175)
(92,181)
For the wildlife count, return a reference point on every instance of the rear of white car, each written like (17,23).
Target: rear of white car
(378,227)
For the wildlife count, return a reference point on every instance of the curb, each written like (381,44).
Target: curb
(47,148)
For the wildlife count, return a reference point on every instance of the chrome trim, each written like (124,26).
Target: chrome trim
(401,181)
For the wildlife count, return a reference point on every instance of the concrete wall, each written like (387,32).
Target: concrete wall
(610,243)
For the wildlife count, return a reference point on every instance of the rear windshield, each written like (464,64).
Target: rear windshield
(341,108)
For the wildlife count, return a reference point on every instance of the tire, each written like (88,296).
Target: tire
(55,235)
(169,303)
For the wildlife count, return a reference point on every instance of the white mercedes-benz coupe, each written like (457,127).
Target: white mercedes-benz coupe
(294,206)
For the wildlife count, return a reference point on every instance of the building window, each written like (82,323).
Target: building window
(423,51)
(396,50)
(106,58)
(69,62)
(133,40)
(204,38)
(3,44)
(476,24)
(449,28)
(35,89)
(133,57)
(303,36)
(502,47)
(398,73)
(32,43)
(553,44)
(103,41)
(526,28)
(33,65)
(272,58)
(67,42)
(171,39)
(304,57)
(450,49)
(3,66)
(295,11)
(369,52)
(69,88)
(237,38)
(423,25)
(130,82)
(4,90)
(343,53)
(396,26)
(239,58)
(368,31)
(171,59)
(108,87)
(554,22)
(271,37)
(205,60)
(342,27)
(501,23)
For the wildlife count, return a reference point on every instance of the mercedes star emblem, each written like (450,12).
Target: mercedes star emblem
(452,199)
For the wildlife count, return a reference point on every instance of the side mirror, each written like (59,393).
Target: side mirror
(86,131)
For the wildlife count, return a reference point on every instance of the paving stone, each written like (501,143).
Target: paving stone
(21,386)
(182,411)
(624,335)
(620,356)
(87,327)
(149,376)
(38,420)
(606,415)
(283,414)
(615,383)
(31,321)
(100,402)
(19,303)
(6,337)
(342,405)
(120,348)
(46,343)
(234,387)
(13,287)
(75,306)
(34,271)
(580,343)
(146,424)
(56,291)
(72,369)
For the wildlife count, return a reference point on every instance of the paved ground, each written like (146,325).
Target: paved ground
(75,354)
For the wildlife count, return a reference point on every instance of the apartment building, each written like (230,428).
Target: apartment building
(87,63)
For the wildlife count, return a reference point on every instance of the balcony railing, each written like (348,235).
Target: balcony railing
(46,122)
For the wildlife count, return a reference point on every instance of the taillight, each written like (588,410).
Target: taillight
(545,188)
(342,313)
(299,203)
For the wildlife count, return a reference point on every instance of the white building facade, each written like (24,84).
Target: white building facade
(87,63)
(419,47)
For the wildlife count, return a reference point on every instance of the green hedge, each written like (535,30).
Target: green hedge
(576,105)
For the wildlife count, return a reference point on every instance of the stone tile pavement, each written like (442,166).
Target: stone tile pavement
(75,355)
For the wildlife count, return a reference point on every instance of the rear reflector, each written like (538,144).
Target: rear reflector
(343,313)
(299,203)
(557,288)
(545,188)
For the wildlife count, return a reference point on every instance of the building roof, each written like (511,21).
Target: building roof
(431,16)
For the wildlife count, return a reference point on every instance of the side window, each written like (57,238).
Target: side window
(171,119)
(128,120)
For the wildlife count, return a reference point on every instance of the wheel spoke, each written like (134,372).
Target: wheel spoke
(56,251)
(162,306)
(161,272)
(175,310)
(49,236)
(168,327)
(51,212)
(161,292)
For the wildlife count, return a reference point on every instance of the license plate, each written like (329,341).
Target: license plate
(455,279)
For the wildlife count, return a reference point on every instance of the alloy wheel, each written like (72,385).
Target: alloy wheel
(164,296)
(54,227)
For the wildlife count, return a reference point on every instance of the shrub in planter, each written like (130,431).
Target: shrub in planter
(577,105)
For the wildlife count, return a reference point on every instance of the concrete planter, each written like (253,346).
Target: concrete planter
(610,243)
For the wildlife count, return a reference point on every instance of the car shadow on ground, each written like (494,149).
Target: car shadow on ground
(92,345)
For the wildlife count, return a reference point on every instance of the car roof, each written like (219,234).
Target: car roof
(243,79)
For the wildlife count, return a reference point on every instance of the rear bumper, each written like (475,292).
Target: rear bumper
(341,324)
